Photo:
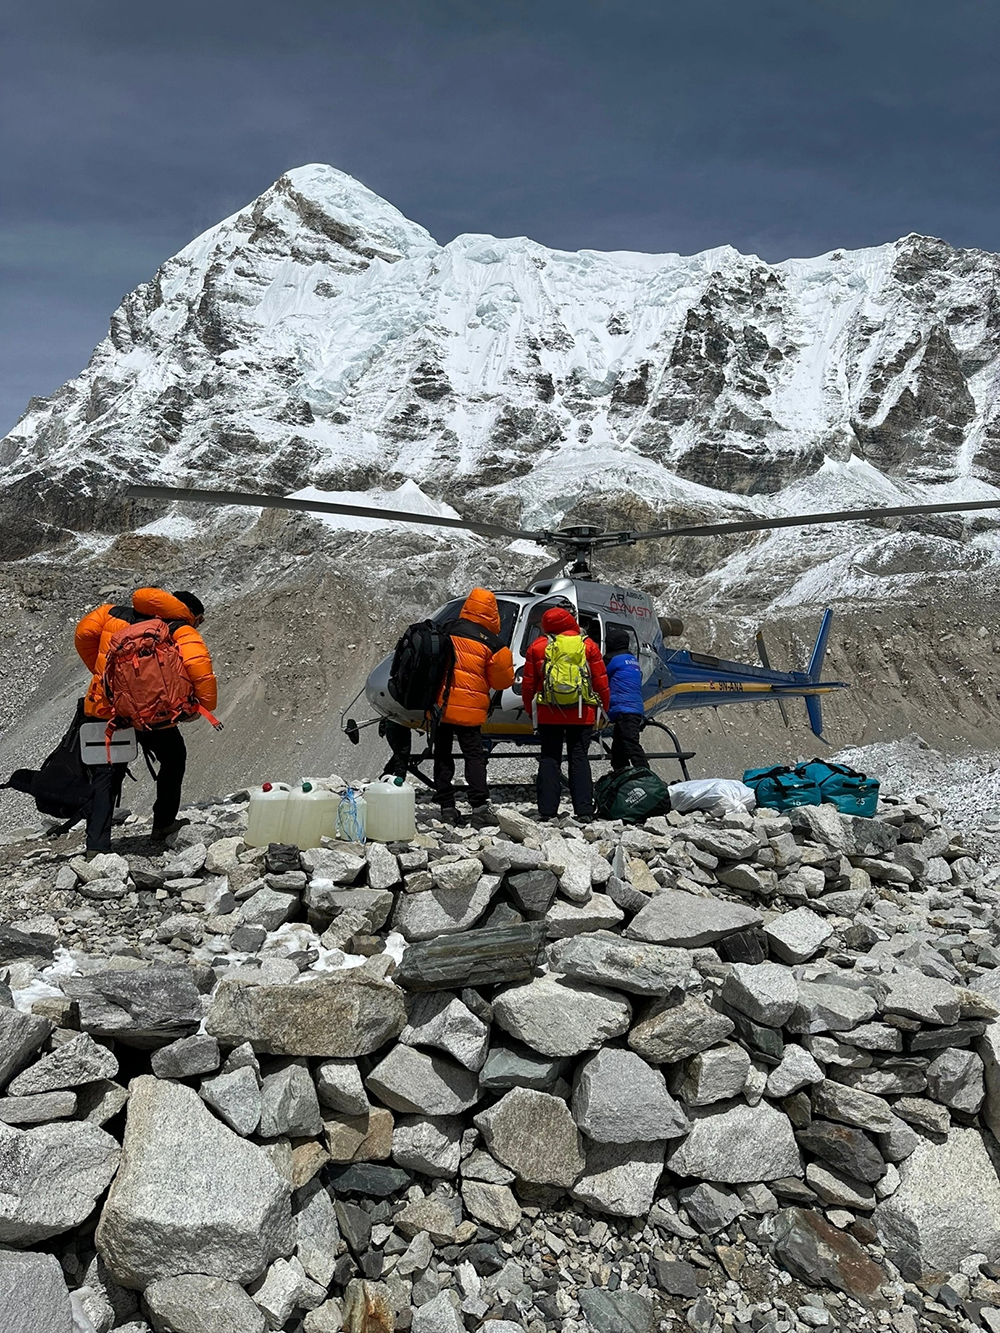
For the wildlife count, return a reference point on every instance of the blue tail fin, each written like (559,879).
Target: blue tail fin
(814,707)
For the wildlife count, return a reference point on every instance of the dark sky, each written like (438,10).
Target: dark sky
(783,127)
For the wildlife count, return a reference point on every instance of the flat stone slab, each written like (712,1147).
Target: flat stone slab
(492,956)
(345,1015)
(634,966)
(141,1007)
(686,922)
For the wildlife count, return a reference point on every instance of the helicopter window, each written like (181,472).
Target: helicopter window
(633,642)
(508,615)
(533,629)
(591,626)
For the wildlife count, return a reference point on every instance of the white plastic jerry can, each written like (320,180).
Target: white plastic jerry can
(352,813)
(311,813)
(390,811)
(266,820)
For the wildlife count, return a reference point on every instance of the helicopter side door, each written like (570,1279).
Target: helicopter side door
(527,629)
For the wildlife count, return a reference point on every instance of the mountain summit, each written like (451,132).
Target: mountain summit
(319,338)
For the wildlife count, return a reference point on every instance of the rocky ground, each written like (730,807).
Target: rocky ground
(719,1074)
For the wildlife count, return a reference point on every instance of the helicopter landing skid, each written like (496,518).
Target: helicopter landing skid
(529,749)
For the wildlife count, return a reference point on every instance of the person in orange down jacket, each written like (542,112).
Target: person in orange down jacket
(482,664)
(569,726)
(184,613)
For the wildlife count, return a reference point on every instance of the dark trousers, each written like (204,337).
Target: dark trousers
(470,742)
(576,740)
(625,747)
(168,748)
(400,740)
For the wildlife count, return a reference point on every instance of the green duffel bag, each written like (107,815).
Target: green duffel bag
(782,788)
(853,793)
(632,795)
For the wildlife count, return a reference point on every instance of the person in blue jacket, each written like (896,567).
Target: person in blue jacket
(627,710)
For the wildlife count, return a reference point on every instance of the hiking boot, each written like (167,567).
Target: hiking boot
(482,816)
(162,834)
(91,853)
(451,815)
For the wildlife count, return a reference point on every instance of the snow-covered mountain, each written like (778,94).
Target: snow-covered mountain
(317,338)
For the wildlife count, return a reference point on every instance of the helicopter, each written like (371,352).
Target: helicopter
(674,679)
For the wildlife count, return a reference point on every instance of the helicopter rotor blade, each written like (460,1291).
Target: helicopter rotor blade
(811,520)
(179,493)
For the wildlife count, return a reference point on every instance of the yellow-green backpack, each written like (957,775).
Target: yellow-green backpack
(566,679)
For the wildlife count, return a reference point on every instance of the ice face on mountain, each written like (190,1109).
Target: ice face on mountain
(317,338)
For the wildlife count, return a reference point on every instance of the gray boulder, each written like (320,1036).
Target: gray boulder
(672,1032)
(621,1311)
(955,1078)
(190,1195)
(564,919)
(620,1178)
(347,1014)
(561,1018)
(412,1080)
(37,1108)
(236,1096)
(186,1058)
(492,1204)
(438,1018)
(618,1098)
(431,1145)
(506,1068)
(628,965)
(821,1008)
(20,1037)
(34,1297)
(79,1060)
(911,994)
(797,1070)
(444,910)
(681,919)
(795,936)
(317,1235)
(765,992)
(339,1085)
(946,1208)
(851,1106)
(50,1178)
(534,1135)
(194,1303)
(738,1145)
(288,1103)
(716,1075)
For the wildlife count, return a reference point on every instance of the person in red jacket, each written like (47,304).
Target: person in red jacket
(571,725)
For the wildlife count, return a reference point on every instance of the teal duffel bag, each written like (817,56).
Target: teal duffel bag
(632,795)
(782,788)
(851,792)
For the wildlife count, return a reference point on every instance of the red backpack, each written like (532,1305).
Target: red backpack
(145,680)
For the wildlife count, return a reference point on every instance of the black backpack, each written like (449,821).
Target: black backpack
(422,660)
(62,787)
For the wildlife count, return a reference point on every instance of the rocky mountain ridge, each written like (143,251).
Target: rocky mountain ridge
(317,337)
